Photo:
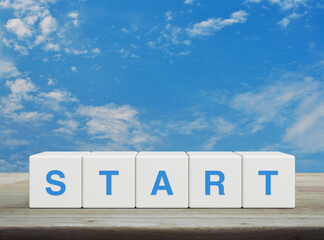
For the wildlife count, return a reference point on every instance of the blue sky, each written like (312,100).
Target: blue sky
(162,75)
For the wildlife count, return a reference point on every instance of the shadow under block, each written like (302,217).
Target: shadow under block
(109,180)
(46,171)
(162,180)
(214,180)
(268,180)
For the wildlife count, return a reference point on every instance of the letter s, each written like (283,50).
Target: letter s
(55,182)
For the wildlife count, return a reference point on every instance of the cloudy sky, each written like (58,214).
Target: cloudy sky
(162,75)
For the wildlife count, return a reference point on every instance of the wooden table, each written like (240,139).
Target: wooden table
(17,221)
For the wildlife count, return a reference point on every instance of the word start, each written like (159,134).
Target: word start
(162,180)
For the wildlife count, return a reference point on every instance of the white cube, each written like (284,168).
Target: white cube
(162,180)
(109,180)
(55,180)
(214,180)
(268,180)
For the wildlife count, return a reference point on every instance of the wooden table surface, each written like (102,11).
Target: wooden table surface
(17,221)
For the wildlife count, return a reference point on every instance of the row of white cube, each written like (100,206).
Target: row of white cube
(162,180)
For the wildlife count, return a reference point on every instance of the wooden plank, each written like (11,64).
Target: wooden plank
(305,221)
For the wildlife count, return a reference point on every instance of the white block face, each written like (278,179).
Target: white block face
(162,180)
(55,180)
(268,180)
(109,180)
(214,180)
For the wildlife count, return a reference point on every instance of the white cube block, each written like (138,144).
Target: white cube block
(55,180)
(214,180)
(268,180)
(162,180)
(109,180)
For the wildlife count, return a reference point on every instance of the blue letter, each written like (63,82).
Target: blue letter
(268,179)
(54,182)
(108,179)
(208,183)
(157,185)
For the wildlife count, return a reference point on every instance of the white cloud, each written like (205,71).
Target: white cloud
(68,126)
(118,124)
(48,25)
(212,25)
(133,55)
(309,124)
(79,52)
(125,30)
(171,40)
(96,50)
(8,69)
(219,128)
(151,44)
(123,52)
(114,126)
(59,96)
(12,106)
(23,90)
(188,1)
(74,69)
(109,121)
(288,4)
(16,46)
(188,127)
(55,99)
(13,143)
(172,34)
(210,143)
(17,166)
(306,131)
(51,81)
(184,53)
(32,18)
(20,86)
(74,16)
(295,104)
(19,90)
(40,39)
(87,52)
(187,42)
(18,27)
(32,8)
(34,24)
(31,116)
(222,126)
(283,4)
(216,127)
(21,49)
(107,126)
(270,102)
(52,47)
(286,20)
(168,15)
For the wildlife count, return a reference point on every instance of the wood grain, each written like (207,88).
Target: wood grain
(306,221)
